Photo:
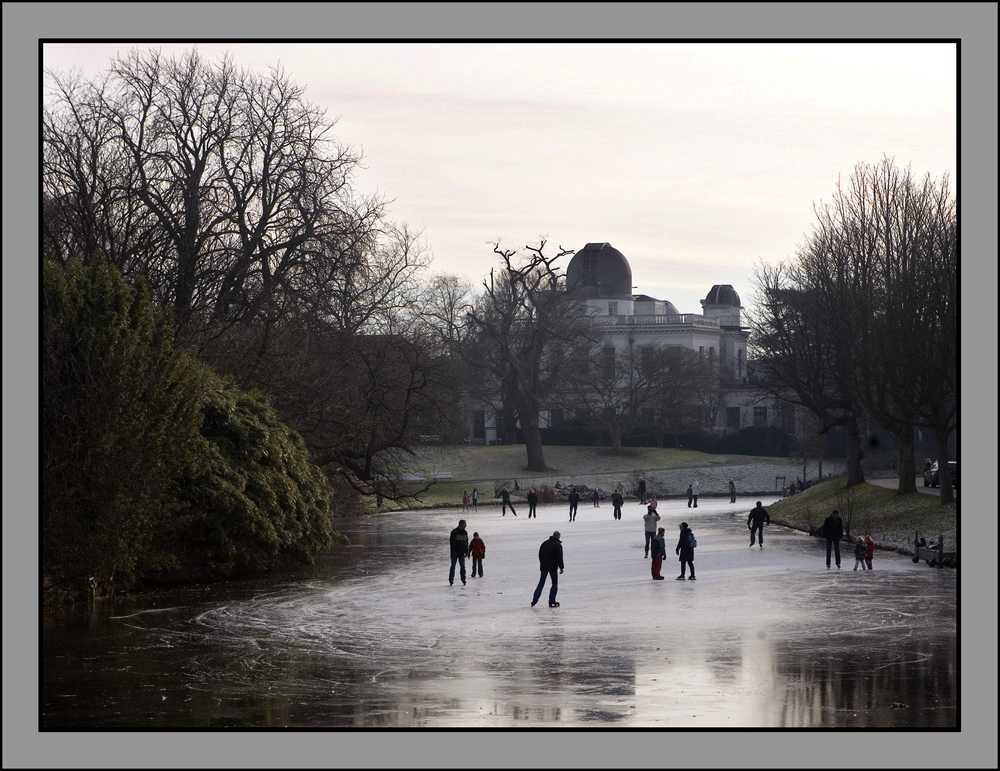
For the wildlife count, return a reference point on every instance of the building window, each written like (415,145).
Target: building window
(732,417)
(760,416)
(701,350)
(740,354)
(612,308)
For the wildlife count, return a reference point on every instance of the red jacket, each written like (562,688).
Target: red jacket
(869,549)
(477,548)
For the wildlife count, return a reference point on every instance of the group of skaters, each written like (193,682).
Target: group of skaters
(550,553)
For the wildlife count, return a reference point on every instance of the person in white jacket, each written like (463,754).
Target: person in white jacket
(695,489)
(649,519)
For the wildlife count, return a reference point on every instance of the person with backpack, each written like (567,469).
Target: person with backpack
(685,550)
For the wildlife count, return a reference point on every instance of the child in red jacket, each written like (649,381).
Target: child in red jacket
(869,551)
(477,550)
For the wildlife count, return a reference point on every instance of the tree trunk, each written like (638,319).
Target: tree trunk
(944,470)
(852,435)
(907,466)
(533,444)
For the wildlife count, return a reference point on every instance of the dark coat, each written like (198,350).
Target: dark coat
(658,547)
(759,516)
(532,499)
(550,555)
(833,528)
(684,549)
(616,499)
(573,497)
(477,547)
(459,542)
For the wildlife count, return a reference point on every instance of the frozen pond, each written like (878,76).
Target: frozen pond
(765,637)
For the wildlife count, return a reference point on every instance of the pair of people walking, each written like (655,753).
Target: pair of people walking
(694,490)
(686,544)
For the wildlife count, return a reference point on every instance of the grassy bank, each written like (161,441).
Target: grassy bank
(891,519)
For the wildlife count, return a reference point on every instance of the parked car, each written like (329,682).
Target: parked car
(931,474)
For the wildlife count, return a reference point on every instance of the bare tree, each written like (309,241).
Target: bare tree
(522,331)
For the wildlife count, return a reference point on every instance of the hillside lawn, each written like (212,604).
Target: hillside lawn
(890,518)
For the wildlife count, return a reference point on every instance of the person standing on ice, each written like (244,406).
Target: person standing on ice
(477,550)
(642,491)
(732,491)
(756,520)
(685,550)
(649,520)
(550,560)
(616,502)
(695,489)
(459,541)
(833,531)
(659,546)
(574,501)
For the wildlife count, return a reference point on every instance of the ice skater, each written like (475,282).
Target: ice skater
(833,531)
(532,503)
(685,550)
(755,521)
(649,520)
(732,491)
(695,490)
(869,551)
(477,550)
(550,560)
(505,497)
(459,541)
(659,551)
(860,550)
(574,501)
(616,502)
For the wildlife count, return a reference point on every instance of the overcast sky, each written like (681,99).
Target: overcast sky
(695,160)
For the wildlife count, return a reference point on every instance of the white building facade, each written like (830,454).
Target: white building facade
(630,321)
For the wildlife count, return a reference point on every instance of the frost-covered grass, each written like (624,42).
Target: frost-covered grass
(890,518)
(667,471)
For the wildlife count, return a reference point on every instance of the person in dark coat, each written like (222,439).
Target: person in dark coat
(732,491)
(459,550)
(550,559)
(755,521)
(690,496)
(642,491)
(532,503)
(685,551)
(833,531)
(616,502)
(505,497)
(574,501)
(659,552)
